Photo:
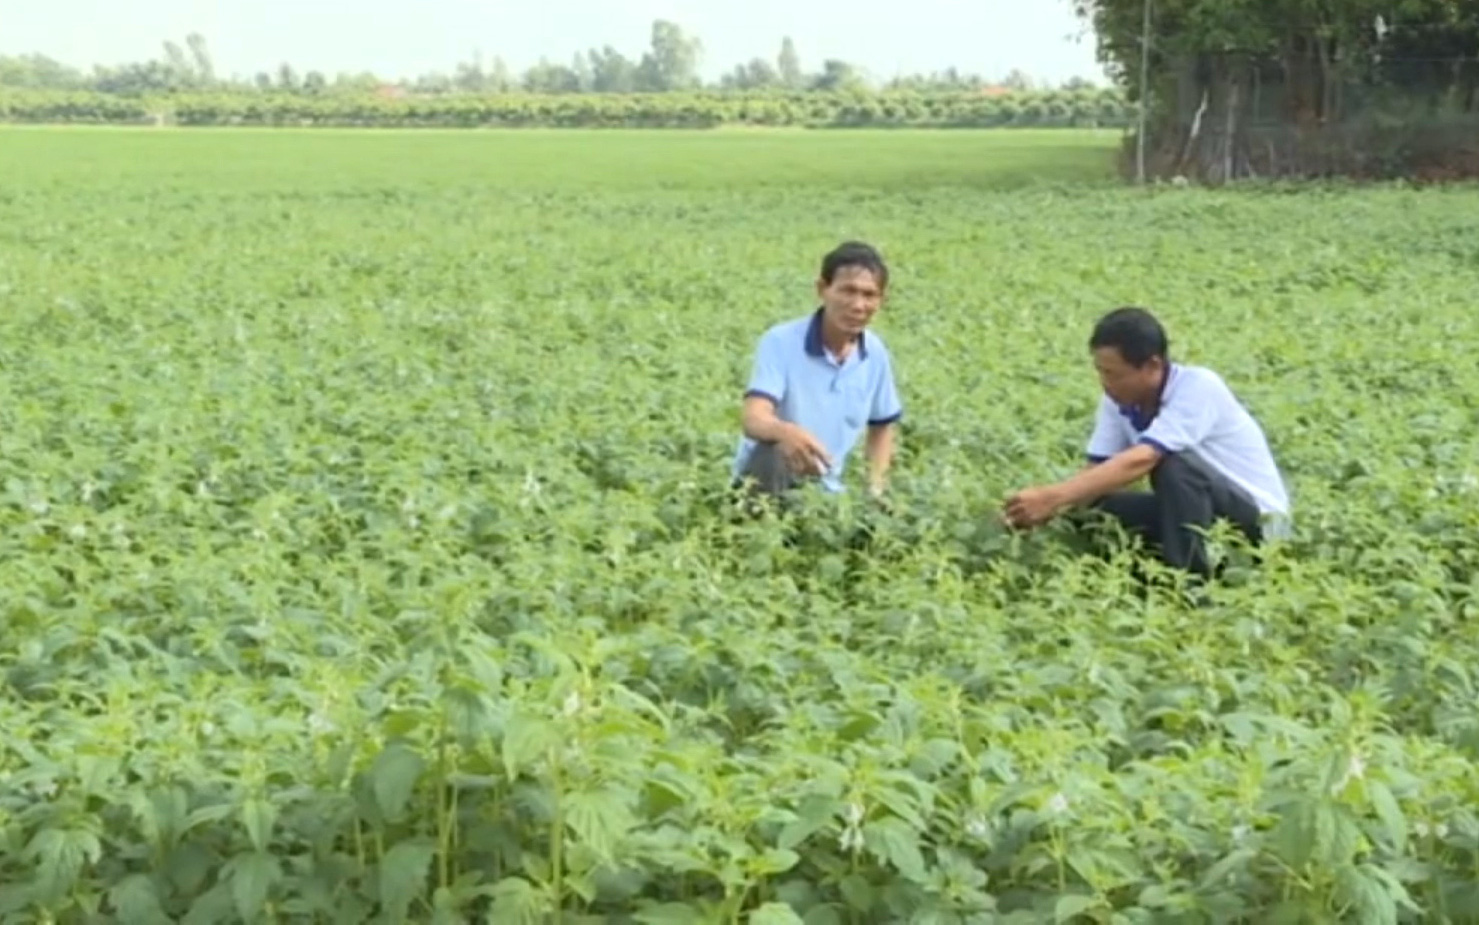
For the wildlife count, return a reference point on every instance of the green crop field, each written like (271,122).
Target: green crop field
(364,557)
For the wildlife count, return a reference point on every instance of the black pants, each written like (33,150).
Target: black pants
(1185,498)
(768,471)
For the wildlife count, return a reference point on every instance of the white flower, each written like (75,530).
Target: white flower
(1058,805)
(976,828)
(851,840)
(572,703)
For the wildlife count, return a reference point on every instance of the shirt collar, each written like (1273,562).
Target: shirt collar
(1140,421)
(814,345)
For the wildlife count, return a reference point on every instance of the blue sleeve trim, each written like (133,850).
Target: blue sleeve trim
(760,393)
(1096,460)
(1152,442)
(884,422)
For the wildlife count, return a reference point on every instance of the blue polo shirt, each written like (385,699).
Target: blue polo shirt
(834,401)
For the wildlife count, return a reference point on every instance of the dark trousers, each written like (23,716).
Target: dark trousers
(767,471)
(1185,499)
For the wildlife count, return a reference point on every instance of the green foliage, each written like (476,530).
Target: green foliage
(363,558)
(706,109)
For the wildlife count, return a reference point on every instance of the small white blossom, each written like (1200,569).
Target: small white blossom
(1058,805)
(854,813)
(976,828)
(572,703)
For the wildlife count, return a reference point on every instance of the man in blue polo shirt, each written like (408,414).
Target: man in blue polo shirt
(1207,458)
(819,382)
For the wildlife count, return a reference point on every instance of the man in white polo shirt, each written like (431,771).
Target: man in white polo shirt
(819,382)
(1206,456)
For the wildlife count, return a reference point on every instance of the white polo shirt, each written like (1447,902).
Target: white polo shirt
(1200,417)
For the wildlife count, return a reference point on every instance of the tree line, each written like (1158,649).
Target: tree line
(672,109)
(661,88)
(669,64)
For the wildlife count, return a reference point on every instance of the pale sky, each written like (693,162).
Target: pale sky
(1043,38)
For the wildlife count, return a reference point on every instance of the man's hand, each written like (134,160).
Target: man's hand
(804,453)
(1033,507)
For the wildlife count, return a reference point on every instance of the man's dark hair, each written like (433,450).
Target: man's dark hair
(855,254)
(1134,332)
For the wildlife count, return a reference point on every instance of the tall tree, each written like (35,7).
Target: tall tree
(1218,72)
(788,63)
(672,62)
(205,69)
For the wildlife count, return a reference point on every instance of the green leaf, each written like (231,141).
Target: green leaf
(822,915)
(214,906)
(259,816)
(393,777)
(775,914)
(253,875)
(1218,874)
(60,856)
(776,861)
(1072,905)
(1367,898)
(525,739)
(403,875)
(670,914)
(599,819)
(892,840)
(515,902)
(136,900)
(858,892)
(813,813)
(1389,812)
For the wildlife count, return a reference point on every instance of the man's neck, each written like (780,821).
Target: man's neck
(839,343)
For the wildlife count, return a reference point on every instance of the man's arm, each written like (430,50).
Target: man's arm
(1097,480)
(880,453)
(802,451)
(883,424)
(1033,507)
(760,421)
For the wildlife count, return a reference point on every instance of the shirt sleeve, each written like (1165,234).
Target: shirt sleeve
(887,408)
(1185,422)
(1108,437)
(768,374)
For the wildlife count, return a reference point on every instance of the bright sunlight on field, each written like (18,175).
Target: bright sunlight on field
(364,554)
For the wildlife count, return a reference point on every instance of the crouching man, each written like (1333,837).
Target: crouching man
(819,382)
(1207,458)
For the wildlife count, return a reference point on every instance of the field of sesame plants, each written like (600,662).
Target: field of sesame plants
(364,555)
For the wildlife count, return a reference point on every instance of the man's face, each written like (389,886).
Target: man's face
(1124,383)
(852,298)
